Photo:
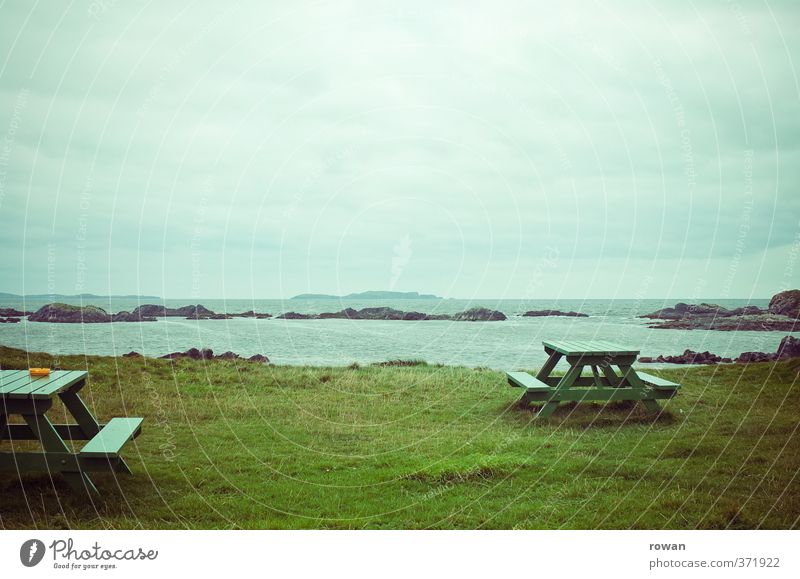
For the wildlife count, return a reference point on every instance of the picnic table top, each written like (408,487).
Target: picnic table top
(20,384)
(589,348)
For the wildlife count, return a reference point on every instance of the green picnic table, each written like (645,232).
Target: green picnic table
(612,377)
(31,397)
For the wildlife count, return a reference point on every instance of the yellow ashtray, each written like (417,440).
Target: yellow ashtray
(40,371)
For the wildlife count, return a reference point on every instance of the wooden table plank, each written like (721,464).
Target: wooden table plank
(589,347)
(7,376)
(47,386)
(18,380)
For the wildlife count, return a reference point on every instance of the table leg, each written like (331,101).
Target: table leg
(612,377)
(87,422)
(83,416)
(547,409)
(570,377)
(596,374)
(52,442)
(632,378)
(549,366)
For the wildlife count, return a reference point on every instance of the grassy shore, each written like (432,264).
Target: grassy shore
(231,444)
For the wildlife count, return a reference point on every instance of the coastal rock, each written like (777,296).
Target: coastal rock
(200,316)
(132,355)
(65,313)
(786,304)
(68,314)
(129,317)
(542,313)
(751,357)
(159,311)
(251,314)
(384,313)
(782,315)
(13,313)
(294,316)
(788,348)
(258,358)
(479,315)
(227,356)
(191,353)
(759,323)
(683,310)
(688,357)
(9,320)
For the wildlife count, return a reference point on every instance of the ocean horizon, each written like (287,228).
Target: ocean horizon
(510,344)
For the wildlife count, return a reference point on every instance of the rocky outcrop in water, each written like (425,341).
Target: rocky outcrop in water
(159,311)
(67,314)
(688,357)
(208,354)
(13,313)
(543,313)
(785,304)
(251,314)
(780,316)
(788,348)
(471,315)
(479,315)
(9,320)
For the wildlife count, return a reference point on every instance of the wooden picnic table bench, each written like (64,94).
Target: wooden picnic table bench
(31,397)
(604,384)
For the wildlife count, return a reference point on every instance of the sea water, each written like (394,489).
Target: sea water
(511,344)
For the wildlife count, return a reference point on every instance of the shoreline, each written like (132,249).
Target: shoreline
(395,362)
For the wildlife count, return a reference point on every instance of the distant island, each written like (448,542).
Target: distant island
(5,295)
(370,295)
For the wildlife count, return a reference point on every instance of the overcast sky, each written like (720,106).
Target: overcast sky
(489,149)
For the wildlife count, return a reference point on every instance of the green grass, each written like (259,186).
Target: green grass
(239,445)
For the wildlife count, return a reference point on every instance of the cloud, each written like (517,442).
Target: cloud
(309,140)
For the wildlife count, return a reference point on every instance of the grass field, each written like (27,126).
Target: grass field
(240,445)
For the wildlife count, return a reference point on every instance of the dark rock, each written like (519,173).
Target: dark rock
(227,356)
(384,313)
(150,311)
(760,323)
(691,357)
(688,357)
(13,313)
(415,316)
(786,304)
(747,311)
(788,348)
(9,320)
(347,313)
(542,313)
(130,317)
(259,359)
(479,315)
(781,316)
(159,311)
(67,314)
(191,353)
(294,316)
(201,316)
(132,355)
(682,310)
(751,357)
(252,314)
